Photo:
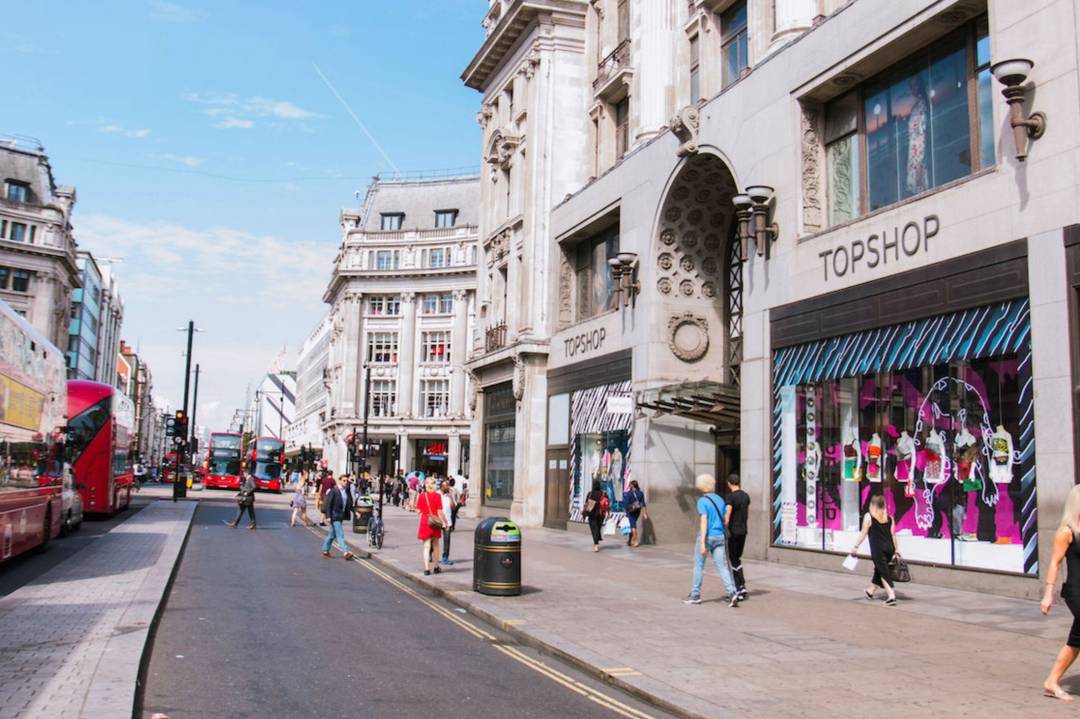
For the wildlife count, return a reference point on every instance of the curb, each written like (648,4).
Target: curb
(533,641)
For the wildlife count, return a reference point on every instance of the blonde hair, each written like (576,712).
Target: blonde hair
(705,483)
(1072,511)
(878,509)
(429,484)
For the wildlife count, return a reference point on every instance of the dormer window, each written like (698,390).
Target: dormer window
(391,220)
(445,218)
(17,191)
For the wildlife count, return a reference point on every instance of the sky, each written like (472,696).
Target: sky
(212,159)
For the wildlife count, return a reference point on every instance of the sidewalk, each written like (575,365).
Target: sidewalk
(72,640)
(806,643)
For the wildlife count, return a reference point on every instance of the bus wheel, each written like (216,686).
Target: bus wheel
(46,530)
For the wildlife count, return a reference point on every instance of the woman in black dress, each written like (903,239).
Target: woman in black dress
(594,514)
(1066,547)
(879,526)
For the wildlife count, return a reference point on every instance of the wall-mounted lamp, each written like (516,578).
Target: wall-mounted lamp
(752,215)
(1013,74)
(623,267)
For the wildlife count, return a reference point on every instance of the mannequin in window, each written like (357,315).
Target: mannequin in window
(905,457)
(934,456)
(874,458)
(1001,456)
(852,466)
(916,127)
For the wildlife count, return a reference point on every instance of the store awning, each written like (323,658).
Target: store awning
(712,403)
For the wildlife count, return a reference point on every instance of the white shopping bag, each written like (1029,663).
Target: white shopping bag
(609,527)
(850,562)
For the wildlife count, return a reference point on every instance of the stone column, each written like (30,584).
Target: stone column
(458,341)
(406,355)
(353,357)
(793,17)
(652,60)
(453,451)
(405,452)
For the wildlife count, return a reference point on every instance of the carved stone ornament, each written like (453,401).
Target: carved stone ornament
(688,336)
(811,169)
(528,67)
(664,286)
(519,378)
(685,127)
(498,246)
(484,116)
(500,153)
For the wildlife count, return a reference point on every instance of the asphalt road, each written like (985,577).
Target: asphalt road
(258,624)
(31,565)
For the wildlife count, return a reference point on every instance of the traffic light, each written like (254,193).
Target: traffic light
(170,427)
(180,427)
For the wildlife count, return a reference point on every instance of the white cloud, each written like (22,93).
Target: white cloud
(239,112)
(185,160)
(249,292)
(113,128)
(231,123)
(171,12)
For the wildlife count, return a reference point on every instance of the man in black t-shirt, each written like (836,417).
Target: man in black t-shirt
(738,507)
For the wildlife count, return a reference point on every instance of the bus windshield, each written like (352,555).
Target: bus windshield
(267,470)
(225,441)
(86,425)
(219,467)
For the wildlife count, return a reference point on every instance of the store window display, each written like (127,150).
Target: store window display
(933,415)
(600,447)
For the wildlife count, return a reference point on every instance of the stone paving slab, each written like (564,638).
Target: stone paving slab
(71,641)
(806,643)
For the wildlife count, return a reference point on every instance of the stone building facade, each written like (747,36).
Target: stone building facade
(312,393)
(402,314)
(834,266)
(37,250)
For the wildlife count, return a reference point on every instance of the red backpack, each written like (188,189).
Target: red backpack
(605,505)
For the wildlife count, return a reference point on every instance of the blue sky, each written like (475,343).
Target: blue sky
(207,152)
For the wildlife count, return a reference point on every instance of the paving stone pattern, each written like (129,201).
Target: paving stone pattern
(71,641)
(806,643)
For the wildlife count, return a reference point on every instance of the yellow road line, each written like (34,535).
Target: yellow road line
(604,700)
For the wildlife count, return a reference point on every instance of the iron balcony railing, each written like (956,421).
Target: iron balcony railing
(495,337)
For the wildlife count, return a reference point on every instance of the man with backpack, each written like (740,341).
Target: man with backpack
(711,539)
(738,507)
(595,510)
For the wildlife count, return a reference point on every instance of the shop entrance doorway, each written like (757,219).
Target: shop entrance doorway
(557,488)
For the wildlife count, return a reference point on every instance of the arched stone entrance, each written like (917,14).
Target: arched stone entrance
(699,269)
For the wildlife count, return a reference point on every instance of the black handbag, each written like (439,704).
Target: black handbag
(899,570)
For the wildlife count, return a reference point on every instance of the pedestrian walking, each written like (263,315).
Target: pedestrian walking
(432,520)
(711,540)
(245,500)
(325,486)
(594,512)
(738,511)
(413,481)
(1067,548)
(879,526)
(299,505)
(339,506)
(634,501)
(446,494)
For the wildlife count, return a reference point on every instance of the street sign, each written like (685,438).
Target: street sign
(178,440)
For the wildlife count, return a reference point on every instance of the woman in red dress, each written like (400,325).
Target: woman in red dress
(429,504)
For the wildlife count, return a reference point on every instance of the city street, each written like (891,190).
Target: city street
(258,624)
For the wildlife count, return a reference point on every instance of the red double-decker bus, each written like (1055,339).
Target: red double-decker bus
(267,460)
(223,461)
(101,428)
(33,411)
(168,468)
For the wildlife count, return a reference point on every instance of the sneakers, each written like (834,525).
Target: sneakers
(890,602)
(734,602)
(742,595)
(348,556)
(326,555)
(446,562)
(692,600)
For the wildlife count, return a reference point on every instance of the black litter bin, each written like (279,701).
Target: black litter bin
(497,558)
(361,517)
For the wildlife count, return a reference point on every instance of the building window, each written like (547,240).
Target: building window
(733,44)
(4,274)
(695,70)
(499,440)
(592,274)
(623,19)
(383,347)
(383,398)
(384,305)
(3,229)
(446,304)
(437,258)
(473,253)
(33,231)
(622,127)
(445,218)
(435,347)
(17,191)
(429,305)
(435,397)
(387,260)
(18,232)
(391,220)
(912,128)
(20,281)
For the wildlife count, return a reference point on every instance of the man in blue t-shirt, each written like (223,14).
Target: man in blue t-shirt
(710,540)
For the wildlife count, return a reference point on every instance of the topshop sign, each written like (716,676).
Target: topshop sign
(877,249)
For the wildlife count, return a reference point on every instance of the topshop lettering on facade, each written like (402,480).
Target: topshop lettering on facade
(585,342)
(877,249)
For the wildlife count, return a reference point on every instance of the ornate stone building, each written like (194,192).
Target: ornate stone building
(312,393)
(403,310)
(37,251)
